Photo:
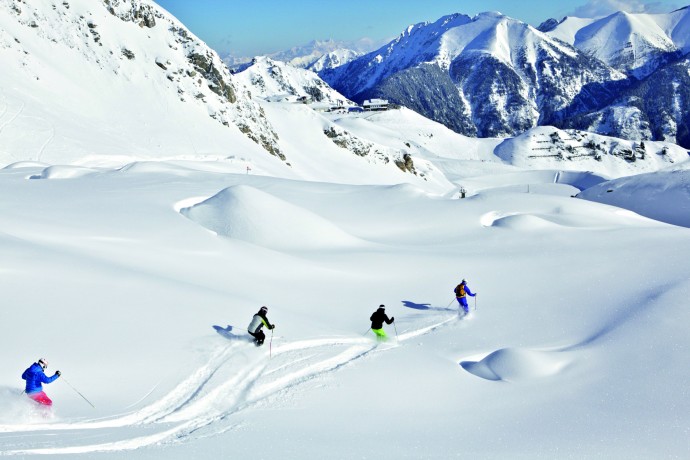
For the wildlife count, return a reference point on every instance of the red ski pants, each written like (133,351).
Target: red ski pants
(41,398)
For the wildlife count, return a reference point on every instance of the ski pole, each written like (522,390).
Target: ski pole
(77,391)
(396,331)
(365,332)
(270,346)
(451,302)
(475,302)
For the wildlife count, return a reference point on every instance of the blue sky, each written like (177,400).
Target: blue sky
(254,27)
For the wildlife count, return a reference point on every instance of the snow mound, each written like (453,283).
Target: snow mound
(246,213)
(517,364)
(63,172)
(26,164)
(516,221)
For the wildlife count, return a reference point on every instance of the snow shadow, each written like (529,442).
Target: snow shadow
(425,306)
(517,365)
(231,333)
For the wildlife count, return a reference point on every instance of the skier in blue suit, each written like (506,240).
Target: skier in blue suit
(462,290)
(35,378)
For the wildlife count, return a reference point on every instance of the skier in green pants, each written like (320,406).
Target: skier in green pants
(377,318)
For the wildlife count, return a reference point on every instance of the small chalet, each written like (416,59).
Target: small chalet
(375,104)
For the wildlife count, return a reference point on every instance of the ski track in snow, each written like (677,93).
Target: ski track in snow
(42,149)
(236,376)
(13,117)
(3,101)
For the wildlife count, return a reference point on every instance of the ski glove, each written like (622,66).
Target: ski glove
(272,326)
(58,373)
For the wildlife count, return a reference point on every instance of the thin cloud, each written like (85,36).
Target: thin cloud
(598,8)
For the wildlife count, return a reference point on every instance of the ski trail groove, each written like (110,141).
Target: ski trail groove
(12,118)
(196,407)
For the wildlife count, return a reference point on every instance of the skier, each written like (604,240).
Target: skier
(461,292)
(258,321)
(35,377)
(377,318)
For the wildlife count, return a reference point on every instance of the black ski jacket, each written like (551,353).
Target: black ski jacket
(378,317)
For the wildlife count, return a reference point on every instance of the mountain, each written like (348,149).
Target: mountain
(334,59)
(487,76)
(636,44)
(652,49)
(120,74)
(654,108)
(315,55)
(624,75)
(275,80)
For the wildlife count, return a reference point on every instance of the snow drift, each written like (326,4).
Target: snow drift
(248,214)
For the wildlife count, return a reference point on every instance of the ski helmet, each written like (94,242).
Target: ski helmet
(382,307)
(43,363)
(263,310)
(464,281)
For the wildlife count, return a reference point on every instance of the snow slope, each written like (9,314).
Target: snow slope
(88,79)
(136,228)
(577,346)
(662,195)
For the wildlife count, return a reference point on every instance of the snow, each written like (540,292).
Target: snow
(244,213)
(125,250)
(662,195)
(124,280)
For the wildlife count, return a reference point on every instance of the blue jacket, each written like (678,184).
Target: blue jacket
(35,377)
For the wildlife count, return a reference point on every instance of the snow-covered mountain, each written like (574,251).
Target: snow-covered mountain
(634,43)
(315,55)
(654,102)
(623,76)
(276,80)
(306,55)
(656,107)
(113,73)
(113,82)
(485,76)
(334,59)
(162,93)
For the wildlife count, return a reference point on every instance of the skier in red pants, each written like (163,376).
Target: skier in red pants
(35,377)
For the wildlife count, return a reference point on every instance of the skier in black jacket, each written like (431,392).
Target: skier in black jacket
(377,318)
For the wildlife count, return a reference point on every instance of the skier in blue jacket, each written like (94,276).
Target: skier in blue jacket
(462,290)
(35,377)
